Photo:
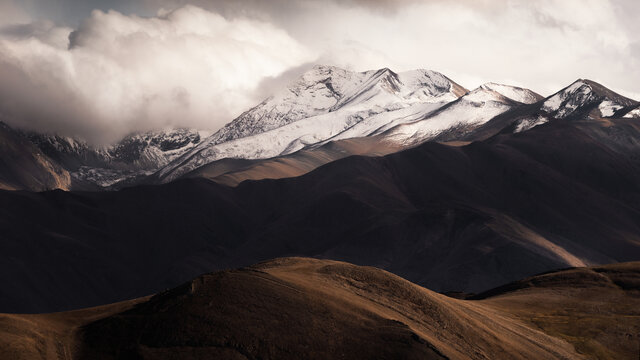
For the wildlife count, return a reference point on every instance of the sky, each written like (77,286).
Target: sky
(100,69)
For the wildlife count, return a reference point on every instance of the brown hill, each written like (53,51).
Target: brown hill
(294,308)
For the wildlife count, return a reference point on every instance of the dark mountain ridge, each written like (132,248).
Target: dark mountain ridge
(461,218)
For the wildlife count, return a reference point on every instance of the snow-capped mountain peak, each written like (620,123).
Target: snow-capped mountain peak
(324,103)
(514,93)
(325,89)
(155,148)
(462,115)
(566,101)
(583,99)
(585,95)
(327,104)
(136,154)
(374,88)
(428,83)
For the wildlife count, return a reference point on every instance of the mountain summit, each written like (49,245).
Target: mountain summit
(585,97)
(325,103)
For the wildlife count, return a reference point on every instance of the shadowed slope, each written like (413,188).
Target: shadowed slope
(24,166)
(234,171)
(450,218)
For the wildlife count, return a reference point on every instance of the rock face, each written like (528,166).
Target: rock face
(130,159)
(24,166)
(585,96)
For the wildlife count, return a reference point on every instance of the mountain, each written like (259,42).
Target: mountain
(323,105)
(126,161)
(585,96)
(326,103)
(329,104)
(24,166)
(328,114)
(584,99)
(451,218)
(294,308)
(632,112)
(461,116)
(234,171)
(384,135)
(326,89)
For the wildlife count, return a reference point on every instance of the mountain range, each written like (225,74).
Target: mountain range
(388,184)
(326,114)
(524,187)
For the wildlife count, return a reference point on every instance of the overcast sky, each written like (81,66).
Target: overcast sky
(102,68)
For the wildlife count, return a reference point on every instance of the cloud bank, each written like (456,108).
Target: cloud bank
(107,73)
(117,73)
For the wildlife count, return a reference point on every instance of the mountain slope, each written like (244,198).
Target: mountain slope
(582,100)
(451,122)
(324,103)
(132,157)
(24,166)
(451,218)
(330,104)
(319,111)
(632,112)
(585,95)
(595,309)
(289,308)
(461,116)
(478,115)
(234,171)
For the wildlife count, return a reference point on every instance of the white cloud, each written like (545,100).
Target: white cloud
(11,13)
(543,44)
(187,67)
(194,67)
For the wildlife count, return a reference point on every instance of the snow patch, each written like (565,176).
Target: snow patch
(326,103)
(635,113)
(529,123)
(471,110)
(524,96)
(565,102)
(608,108)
